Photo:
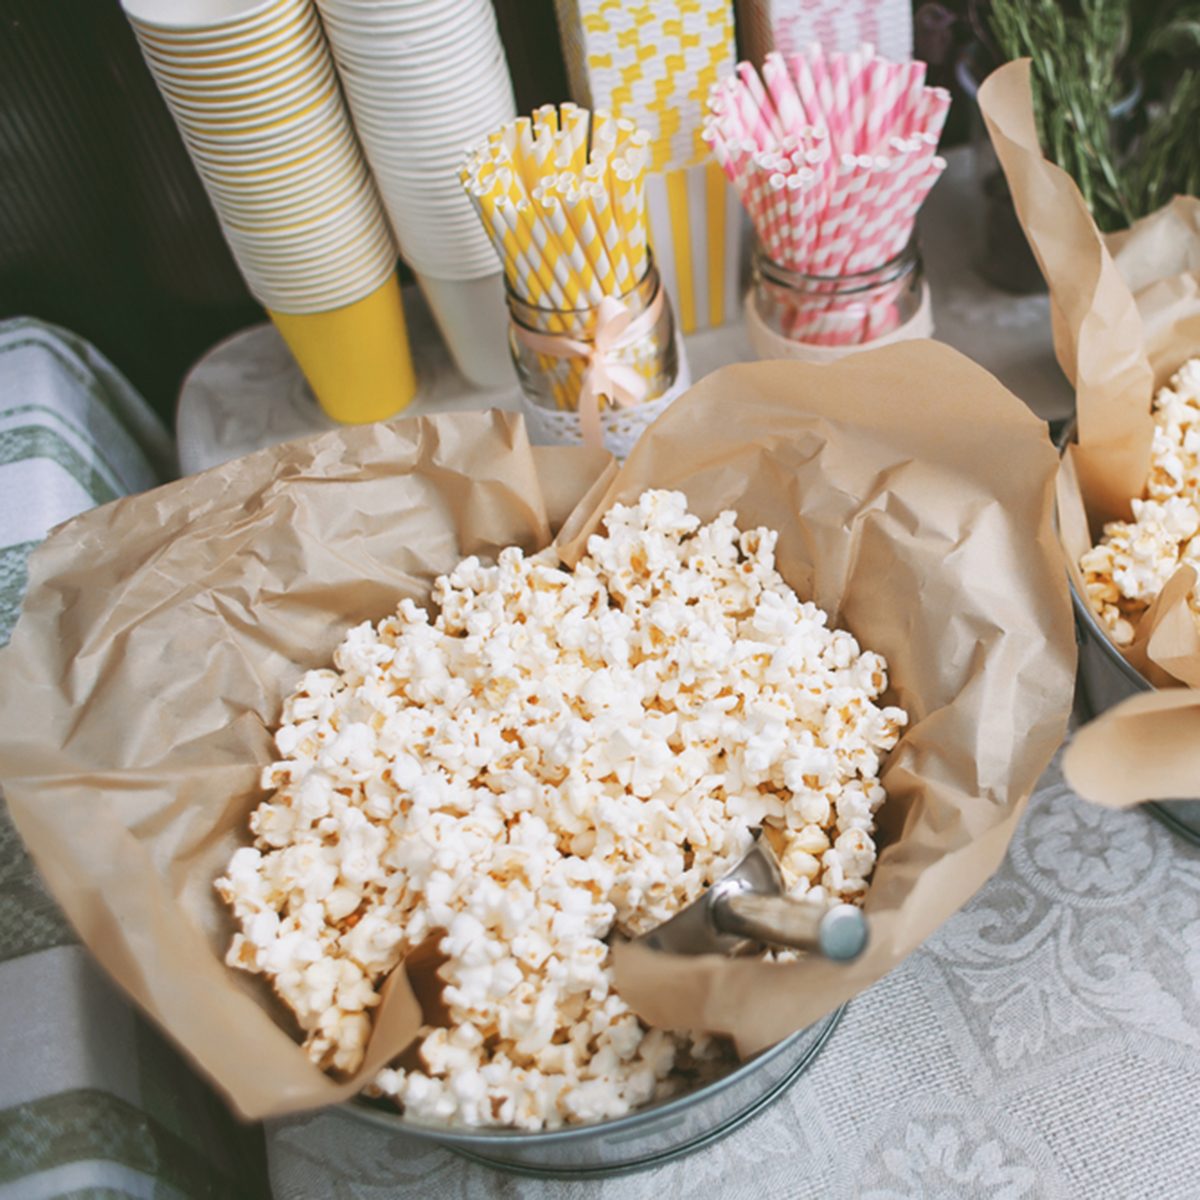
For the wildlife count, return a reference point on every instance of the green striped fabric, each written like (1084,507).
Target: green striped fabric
(121,1115)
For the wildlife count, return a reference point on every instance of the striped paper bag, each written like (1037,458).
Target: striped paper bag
(654,64)
(791,25)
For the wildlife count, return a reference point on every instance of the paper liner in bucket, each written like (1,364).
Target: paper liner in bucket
(161,632)
(1126,315)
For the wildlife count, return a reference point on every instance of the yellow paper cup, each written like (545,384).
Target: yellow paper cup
(356,359)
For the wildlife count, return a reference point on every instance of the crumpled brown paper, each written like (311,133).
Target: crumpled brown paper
(160,634)
(1126,310)
(1145,748)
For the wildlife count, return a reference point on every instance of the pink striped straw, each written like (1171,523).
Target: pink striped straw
(783,91)
(758,97)
(831,156)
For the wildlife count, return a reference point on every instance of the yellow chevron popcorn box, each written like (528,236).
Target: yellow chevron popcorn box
(653,64)
(697,233)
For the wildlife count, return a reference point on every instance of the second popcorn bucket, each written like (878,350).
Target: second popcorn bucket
(290,549)
(1127,334)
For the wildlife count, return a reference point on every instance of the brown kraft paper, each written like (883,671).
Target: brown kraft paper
(161,633)
(1126,310)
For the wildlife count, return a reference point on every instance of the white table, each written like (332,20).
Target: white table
(1044,1044)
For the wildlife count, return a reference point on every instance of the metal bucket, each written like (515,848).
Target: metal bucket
(1106,678)
(646,1138)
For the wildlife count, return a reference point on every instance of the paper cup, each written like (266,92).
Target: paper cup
(236,62)
(182,20)
(326,168)
(323,294)
(298,127)
(238,161)
(314,183)
(432,75)
(300,240)
(364,21)
(473,318)
(355,358)
(405,47)
(259,75)
(302,204)
(265,111)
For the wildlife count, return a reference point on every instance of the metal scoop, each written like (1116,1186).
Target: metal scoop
(747,910)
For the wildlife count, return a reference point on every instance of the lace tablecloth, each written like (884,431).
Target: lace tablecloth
(1044,1045)
(93,1101)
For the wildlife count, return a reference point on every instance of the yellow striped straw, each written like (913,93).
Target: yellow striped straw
(545,119)
(574,121)
(589,291)
(606,222)
(566,212)
(631,215)
(579,212)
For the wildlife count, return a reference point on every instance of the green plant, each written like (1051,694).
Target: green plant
(1088,58)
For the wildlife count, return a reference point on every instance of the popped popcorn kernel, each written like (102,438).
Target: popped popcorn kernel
(551,756)
(1133,560)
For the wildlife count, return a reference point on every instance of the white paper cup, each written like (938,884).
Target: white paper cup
(314,298)
(302,92)
(301,205)
(405,47)
(249,159)
(184,20)
(309,180)
(302,264)
(325,290)
(473,318)
(333,276)
(430,74)
(219,105)
(424,128)
(432,13)
(296,127)
(239,78)
(234,53)
(304,236)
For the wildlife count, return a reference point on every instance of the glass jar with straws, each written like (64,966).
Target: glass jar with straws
(591,329)
(832,157)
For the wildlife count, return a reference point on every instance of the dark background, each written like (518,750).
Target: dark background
(104,226)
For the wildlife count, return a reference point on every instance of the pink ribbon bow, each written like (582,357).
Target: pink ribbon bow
(621,383)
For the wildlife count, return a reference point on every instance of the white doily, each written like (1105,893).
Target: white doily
(621,426)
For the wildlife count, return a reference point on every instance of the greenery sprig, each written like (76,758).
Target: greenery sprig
(1116,95)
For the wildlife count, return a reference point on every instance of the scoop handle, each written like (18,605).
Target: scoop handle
(838,933)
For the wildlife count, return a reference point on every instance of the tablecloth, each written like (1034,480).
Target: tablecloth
(1044,1045)
(93,1101)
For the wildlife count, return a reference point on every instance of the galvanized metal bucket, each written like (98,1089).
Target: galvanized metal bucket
(646,1138)
(1106,678)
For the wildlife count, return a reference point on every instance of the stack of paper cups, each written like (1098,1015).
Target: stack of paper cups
(423,78)
(790,26)
(652,63)
(253,91)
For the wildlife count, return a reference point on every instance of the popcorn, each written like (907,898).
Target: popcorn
(556,755)
(1134,559)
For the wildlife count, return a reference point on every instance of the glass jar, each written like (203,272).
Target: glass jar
(558,351)
(842,310)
